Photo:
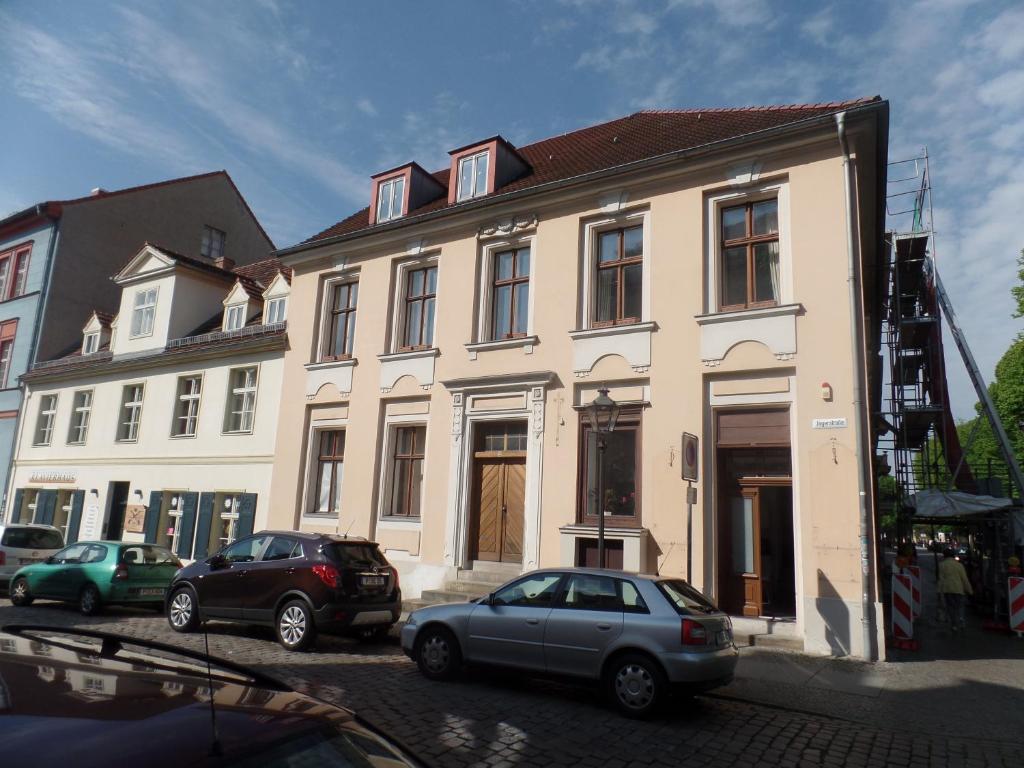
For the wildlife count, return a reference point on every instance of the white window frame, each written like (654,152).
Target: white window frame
(715,204)
(174,513)
(393,191)
(474,159)
(401,286)
(311,493)
(50,417)
(234,317)
(387,470)
(242,392)
(230,516)
(206,247)
(191,401)
(147,310)
(485,318)
(135,407)
(592,232)
(81,415)
(6,354)
(270,310)
(91,343)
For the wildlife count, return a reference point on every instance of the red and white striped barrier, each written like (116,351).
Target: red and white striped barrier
(915,585)
(1016,601)
(902,607)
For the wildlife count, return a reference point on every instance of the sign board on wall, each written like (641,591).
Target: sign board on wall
(828,423)
(90,527)
(691,456)
(134,518)
(52,476)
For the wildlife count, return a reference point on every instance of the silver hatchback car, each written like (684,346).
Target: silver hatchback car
(641,636)
(26,544)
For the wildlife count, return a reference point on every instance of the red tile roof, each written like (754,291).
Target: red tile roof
(640,136)
(256,277)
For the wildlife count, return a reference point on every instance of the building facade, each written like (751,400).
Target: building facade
(56,259)
(446,341)
(161,426)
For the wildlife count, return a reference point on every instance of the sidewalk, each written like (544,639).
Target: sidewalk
(970,685)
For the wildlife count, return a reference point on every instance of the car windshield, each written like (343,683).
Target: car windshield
(32,538)
(355,555)
(685,598)
(328,748)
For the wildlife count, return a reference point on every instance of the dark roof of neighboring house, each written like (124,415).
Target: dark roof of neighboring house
(54,206)
(255,277)
(640,136)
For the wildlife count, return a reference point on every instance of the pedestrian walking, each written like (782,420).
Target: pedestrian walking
(953,587)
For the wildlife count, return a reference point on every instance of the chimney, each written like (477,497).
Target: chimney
(97,192)
(224,263)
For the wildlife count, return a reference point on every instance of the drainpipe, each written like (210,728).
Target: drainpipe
(43,296)
(857,347)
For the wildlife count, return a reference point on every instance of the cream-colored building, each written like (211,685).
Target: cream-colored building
(445,341)
(162,426)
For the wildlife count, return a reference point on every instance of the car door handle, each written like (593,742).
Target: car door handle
(289,571)
(533,621)
(604,627)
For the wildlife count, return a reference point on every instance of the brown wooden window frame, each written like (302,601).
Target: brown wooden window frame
(749,240)
(418,453)
(12,260)
(420,298)
(331,459)
(630,418)
(345,316)
(515,283)
(620,264)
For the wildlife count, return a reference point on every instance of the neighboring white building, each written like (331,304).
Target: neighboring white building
(162,426)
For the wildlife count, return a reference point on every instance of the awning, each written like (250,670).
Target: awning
(939,504)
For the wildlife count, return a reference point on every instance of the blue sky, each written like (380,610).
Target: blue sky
(302,101)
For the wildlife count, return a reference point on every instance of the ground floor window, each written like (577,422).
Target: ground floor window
(169,530)
(619,477)
(330,468)
(224,526)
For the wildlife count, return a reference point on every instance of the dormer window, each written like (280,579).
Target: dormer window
(234,317)
(275,311)
(473,176)
(91,343)
(390,196)
(143,312)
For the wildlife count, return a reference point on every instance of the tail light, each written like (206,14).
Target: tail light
(328,574)
(121,572)
(694,633)
(394,572)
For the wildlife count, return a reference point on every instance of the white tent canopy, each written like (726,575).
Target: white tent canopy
(936,503)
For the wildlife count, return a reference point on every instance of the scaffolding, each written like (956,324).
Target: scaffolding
(917,434)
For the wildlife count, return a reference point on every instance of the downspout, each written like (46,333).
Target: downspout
(44,295)
(857,347)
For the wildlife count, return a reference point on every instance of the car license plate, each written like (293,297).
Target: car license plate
(372,581)
(151,592)
(29,560)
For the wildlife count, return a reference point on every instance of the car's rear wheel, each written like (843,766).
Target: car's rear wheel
(89,600)
(294,626)
(438,654)
(182,611)
(19,592)
(636,685)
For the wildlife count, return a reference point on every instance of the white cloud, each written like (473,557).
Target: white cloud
(367,107)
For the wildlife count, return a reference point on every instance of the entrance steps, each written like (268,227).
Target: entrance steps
(766,633)
(479,580)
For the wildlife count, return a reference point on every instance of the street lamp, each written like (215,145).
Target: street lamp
(603,413)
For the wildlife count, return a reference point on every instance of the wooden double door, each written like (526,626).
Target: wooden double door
(499,491)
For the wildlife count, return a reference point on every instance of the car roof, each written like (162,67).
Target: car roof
(29,525)
(308,536)
(619,574)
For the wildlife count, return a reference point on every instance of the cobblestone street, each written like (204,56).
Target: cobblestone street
(504,720)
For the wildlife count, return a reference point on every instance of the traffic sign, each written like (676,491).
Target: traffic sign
(691,454)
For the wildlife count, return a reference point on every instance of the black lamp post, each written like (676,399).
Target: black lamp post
(603,413)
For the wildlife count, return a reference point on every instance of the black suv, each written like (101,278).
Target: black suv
(299,583)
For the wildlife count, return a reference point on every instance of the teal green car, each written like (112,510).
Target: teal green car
(98,573)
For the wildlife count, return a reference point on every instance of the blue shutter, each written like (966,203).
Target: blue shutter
(203,523)
(246,514)
(19,496)
(153,515)
(188,524)
(75,520)
(46,504)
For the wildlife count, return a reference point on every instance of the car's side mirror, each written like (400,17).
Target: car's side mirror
(217,561)
(51,560)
